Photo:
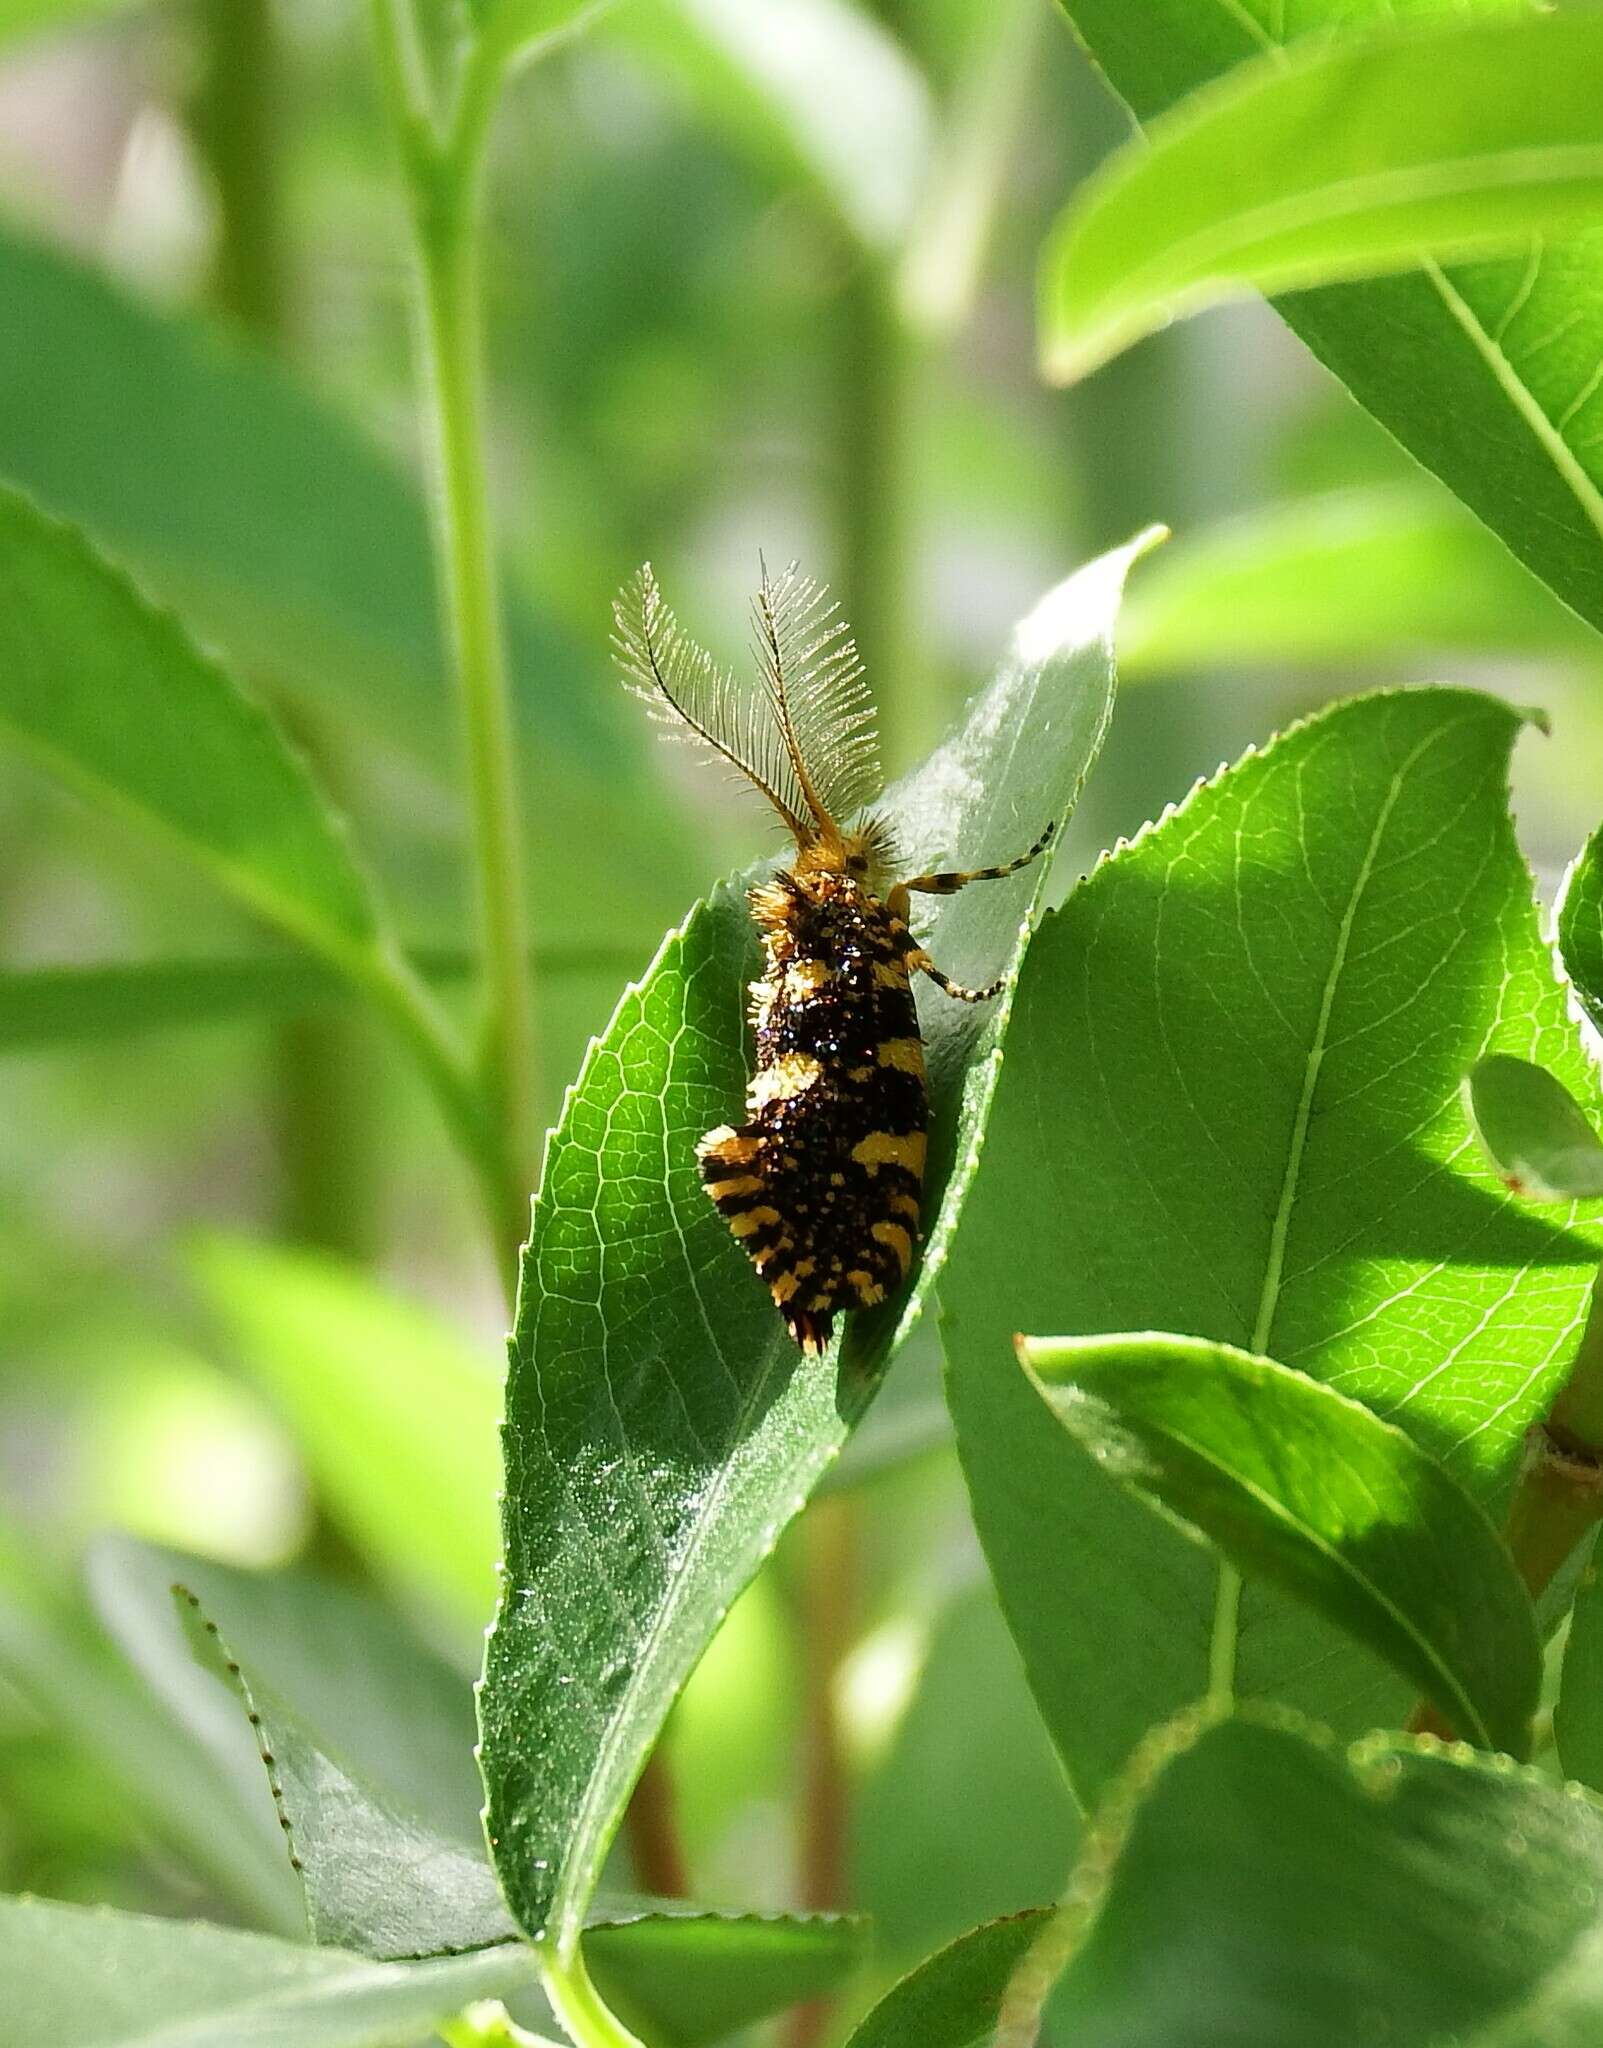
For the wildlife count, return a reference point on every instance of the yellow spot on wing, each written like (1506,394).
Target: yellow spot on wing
(899,1241)
(790,1075)
(752,1220)
(784,1287)
(742,1184)
(890,974)
(727,1147)
(807,977)
(883,1148)
(865,1287)
(905,1053)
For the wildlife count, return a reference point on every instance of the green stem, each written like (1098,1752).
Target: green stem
(444,175)
(1222,1647)
(872,500)
(404,998)
(577,2003)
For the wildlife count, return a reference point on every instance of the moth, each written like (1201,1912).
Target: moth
(822,1183)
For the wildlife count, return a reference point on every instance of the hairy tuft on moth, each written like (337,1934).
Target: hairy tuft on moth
(821,1184)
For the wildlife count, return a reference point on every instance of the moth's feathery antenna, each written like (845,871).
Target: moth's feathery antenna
(683,687)
(814,681)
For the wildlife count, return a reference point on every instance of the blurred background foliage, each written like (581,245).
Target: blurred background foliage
(761,277)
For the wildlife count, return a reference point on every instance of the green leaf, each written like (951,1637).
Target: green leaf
(394,1411)
(1348,576)
(86,1977)
(278,529)
(1483,371)
(1578,1711)
(1454,138)
(192,1800)
(122,705)
(1309,1489)
(378,1880)
(383,1881)
(661,1428)
(392,1711)
(41,1007)
(290,544)
(686,1977)
(1254,1877)
(1580,927)
(1002,1834)
(952,1999)
(1534,1131)
(817,85)
(1231,1109)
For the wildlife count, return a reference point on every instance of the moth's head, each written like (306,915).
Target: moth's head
(865,855)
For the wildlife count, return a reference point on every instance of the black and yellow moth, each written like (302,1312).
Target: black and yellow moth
(822,1183)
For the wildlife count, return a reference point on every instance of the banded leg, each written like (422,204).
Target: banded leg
(914,958)
(919,962)
(953,879)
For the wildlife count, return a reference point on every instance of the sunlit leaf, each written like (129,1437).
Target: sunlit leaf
(1231,1109)
(1483,371)
(661,1427)
(1316,1493)
(1455,140)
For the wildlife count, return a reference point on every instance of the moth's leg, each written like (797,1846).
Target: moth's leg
(919,962)
(953,879)
(914,958)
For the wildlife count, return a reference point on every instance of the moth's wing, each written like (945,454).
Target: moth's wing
(821,703)
(694,699)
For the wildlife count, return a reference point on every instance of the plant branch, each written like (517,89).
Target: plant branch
(444,177)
